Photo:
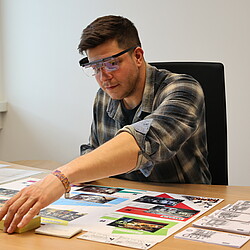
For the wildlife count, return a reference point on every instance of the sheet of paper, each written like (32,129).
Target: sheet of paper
(227,215)
(152,215)
(59,216)
(11,174)
(234,218)
(214,223)
(239,207)
(127,217)
(4,165)
(209,236)
(117,240)
(58,230)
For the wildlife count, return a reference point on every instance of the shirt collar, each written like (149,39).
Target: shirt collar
(114,109)
(149,90)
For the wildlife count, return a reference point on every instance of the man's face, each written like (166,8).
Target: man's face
(125,82)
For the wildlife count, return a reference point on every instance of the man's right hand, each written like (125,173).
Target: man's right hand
(27,203)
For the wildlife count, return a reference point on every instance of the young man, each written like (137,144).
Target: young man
(148,124)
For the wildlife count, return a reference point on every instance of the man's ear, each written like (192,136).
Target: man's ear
(138,53)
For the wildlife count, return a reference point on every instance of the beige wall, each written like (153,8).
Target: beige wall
(50,99)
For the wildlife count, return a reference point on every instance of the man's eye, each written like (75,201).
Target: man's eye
(112,63)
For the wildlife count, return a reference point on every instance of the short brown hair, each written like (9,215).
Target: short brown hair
(106,28)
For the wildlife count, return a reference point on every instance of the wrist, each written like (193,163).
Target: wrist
(64,180)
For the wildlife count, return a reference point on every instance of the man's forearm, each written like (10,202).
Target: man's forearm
(117,156)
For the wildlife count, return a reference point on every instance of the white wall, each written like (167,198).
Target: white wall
(1,66)
(50,99)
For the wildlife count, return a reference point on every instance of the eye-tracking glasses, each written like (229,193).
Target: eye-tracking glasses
(110,63)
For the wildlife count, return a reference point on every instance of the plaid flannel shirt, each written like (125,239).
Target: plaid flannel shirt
(169,127)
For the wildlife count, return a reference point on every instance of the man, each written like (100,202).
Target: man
(148,124)
(164,112)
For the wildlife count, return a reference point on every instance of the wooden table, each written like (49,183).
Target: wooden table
(230,194)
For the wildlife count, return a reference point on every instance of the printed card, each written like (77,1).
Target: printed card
(117,240)
(227,215)
(58,230)
(223,225)
(59,216)
(209,236)
(239,207)
(173,213)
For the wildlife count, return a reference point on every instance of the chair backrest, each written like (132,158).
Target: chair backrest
(211,77)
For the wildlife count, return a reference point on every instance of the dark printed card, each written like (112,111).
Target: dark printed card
(137,224)
(171,212)
(93,198)
(60,214)
(7,192)
(159,200)
(202,201)
(100,189)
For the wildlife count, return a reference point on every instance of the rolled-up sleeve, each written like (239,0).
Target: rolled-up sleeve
(176,115)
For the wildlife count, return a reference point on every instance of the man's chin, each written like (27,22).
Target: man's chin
(115,97)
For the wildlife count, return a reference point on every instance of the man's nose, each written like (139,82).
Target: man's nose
(104,74)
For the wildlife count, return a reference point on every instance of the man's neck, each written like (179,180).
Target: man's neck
(134,100)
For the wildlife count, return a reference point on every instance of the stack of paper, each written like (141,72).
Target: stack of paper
(120,216)
(209,236)
(239,207)
(11,174)
(58,230)
(34,223)
(211,222)
(234,218)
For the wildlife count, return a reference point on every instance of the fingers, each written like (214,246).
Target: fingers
(16,213)
(32,212)
(7,204)
(29,201)
(17,207)
(9,210)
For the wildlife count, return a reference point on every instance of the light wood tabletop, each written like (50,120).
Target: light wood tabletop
(230,194)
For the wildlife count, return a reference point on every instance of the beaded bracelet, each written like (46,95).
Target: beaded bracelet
(64,181)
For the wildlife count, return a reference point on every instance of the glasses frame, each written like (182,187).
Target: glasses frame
(85,61)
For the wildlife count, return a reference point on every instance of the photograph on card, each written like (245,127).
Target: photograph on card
(204,202)
(92,198)
(7,192)
(159,200)
(87,199)
(100,189)
(139,225)
(162,212)
(136,225)
(59,216)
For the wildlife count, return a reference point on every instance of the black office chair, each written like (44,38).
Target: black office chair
(211,77)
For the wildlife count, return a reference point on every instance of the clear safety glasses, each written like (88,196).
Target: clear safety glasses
(110,63)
